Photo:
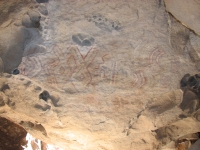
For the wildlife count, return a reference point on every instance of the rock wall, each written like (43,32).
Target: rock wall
(98,74)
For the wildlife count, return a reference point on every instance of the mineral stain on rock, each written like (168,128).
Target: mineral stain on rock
(42,1)
(83,39)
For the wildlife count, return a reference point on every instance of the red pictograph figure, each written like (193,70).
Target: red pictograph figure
(53,67)
(58,67)
(83,67)
(30,66)
(139,79)
(51,78)
(55,62)
(77,66)
(155,55)
(114,72)
(71,62)
(102,72)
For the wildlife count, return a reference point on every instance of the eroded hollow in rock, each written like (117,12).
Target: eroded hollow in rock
(184,80)
(16,71)
(11,135)
(42,1)
(187,140)
(14,136)
(192,81)
(44,95)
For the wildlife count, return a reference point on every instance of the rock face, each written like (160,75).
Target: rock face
(100,74)
(11,135)
(12,44)
(82,39)
(17,30)
(31,19)
(42,1)
(185,11)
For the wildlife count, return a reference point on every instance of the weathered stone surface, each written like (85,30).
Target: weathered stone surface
(55,98)
(176,130)
(34,16)
(165,102)
(10,7)
(26,21)
(195,50)
(34,49)
(186,11)
(15,38)
(31,19)
(104,23)
(190,102)
(28,125)
(195,146)
(42,1)
(82,39)
(11,135)
(43,10)
(12,43)
(179,36)
(44,95)
(2,103)
(197,115)
(111,71)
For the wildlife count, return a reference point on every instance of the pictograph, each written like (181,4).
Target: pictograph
(113,72)
(155,55)
(30,66)
(138,79)
(65,66)
(80,69)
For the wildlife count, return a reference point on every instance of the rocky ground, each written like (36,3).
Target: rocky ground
(100,74)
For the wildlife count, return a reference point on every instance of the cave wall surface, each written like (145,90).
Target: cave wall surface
(99,74)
